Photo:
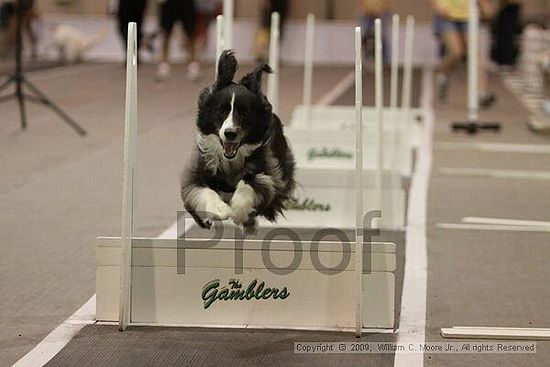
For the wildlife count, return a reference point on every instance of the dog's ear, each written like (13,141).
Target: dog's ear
(227,67)
(253,80)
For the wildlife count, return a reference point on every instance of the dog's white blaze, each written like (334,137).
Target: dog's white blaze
(228,123)
(243,202)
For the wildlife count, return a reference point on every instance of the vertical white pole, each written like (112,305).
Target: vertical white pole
(394,63)
(407,90)
(473,59)
(308,65)
(379,100)
(273,79)
(128,177)
(219,41)
(359,199)
(228,13)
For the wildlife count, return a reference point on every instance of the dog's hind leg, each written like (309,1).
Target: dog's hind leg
(205,205)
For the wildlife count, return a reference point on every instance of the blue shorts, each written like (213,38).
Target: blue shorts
(443,25)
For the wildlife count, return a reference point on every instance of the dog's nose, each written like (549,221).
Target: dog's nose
(230,134)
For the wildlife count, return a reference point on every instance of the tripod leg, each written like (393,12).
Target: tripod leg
(6,83)
(21,102)
(45,100)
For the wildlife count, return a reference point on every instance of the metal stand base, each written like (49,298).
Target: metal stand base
(474,127)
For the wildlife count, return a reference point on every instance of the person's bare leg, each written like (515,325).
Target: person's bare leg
(193,66)
(454,47)
(163,71)
(166,45)
(454,51)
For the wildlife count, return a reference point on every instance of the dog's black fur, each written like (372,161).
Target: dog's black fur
(256,157)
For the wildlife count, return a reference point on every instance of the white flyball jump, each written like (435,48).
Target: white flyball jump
(379,106)
(308,64)
(321,147)
(128,177)
(219,41)
(241,283)
(403,130)
(274,56)
(473,62)
(359,183)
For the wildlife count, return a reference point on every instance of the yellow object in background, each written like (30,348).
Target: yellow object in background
(458,10)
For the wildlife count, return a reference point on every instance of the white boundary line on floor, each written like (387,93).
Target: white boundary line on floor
(496,173)
(506,222)
(413,305)
(495,147)
(59,337)
(339,89)
(492,227)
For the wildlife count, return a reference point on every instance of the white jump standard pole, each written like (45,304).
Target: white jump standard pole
(308,65)
(273,79)
(219,41)
(472,126)
(406,102)
(394,63)
(379,100)
(130,140)
(228,14)
(359,185)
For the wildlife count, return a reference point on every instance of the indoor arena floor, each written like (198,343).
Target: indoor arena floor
(47,267)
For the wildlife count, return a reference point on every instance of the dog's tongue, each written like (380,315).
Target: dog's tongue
(230,148)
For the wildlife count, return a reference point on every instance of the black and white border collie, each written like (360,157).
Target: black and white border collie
(243,166)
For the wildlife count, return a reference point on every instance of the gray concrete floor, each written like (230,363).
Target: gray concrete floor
(487,278)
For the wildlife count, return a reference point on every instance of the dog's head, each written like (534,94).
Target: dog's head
(238,116)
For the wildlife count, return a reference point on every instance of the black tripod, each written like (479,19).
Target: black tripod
(19,81)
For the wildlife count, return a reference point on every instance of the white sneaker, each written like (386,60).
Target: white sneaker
(193,71)
(163,72)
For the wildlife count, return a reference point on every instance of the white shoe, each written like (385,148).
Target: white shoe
(163,72)
(193,71)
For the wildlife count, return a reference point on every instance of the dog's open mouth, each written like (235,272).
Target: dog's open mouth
(230,148)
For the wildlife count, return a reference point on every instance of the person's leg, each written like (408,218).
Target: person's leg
(122,19)
(167,20)
(454,52)
(138,15)
(188,17)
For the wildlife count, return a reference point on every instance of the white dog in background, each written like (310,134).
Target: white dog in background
(72,44)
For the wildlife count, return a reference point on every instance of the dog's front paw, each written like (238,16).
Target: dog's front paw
(215,210)
(218,210)
(242,211)
(242,203)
